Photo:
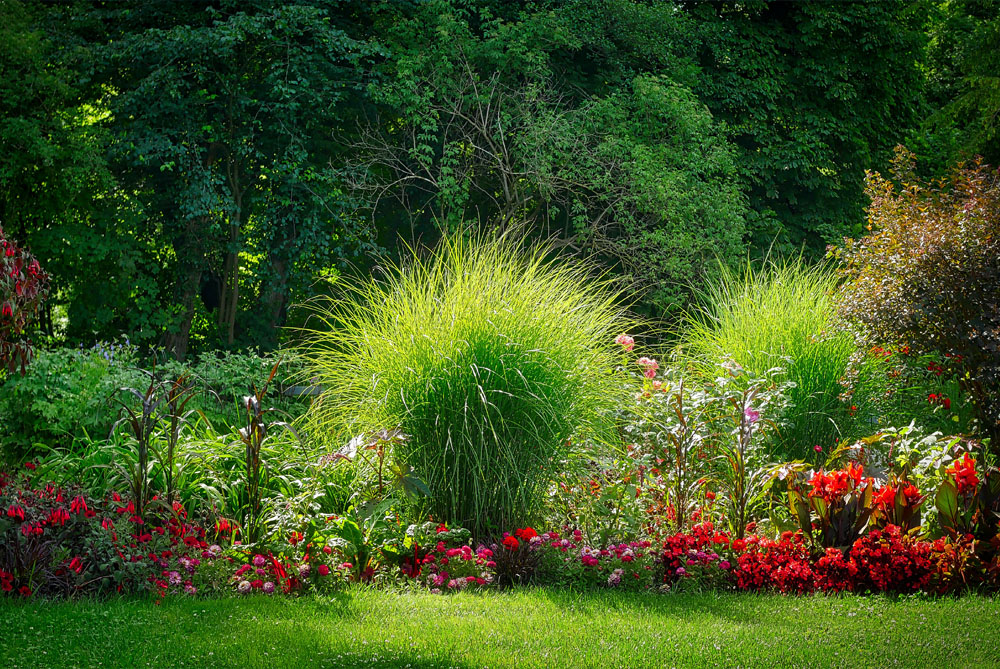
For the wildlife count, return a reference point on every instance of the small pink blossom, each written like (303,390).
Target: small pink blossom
(649,365)
(625,341)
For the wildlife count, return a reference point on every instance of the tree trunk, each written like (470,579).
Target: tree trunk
(275,300)
(189,251)
(177,342)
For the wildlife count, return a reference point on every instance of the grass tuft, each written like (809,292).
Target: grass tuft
(488,356)
(780,313)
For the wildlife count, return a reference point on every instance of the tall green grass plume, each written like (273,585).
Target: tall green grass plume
(780,314)
(487,355)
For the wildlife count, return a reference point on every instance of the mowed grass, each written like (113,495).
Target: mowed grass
(526,628)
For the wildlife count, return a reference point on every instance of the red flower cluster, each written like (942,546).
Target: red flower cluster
(883,561)
(833,486)
(525,534)
(890,561)
(681,547)
(885,497)
(834,572)
(22,289)
(964,473)
(783,565)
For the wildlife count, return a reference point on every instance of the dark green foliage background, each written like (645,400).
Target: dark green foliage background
(152,150)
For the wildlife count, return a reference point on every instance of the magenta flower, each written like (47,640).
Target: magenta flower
(751,415)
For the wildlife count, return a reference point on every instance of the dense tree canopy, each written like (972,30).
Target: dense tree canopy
(186,171)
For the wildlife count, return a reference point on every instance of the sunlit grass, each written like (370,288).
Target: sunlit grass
(525,628)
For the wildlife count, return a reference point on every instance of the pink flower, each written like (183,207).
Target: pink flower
(323,570)
(625,342)
(818,448)
(751,415)
(649,365)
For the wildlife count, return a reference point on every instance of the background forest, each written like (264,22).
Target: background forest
(186,171)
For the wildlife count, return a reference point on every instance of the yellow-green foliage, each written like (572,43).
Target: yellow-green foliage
(488,356)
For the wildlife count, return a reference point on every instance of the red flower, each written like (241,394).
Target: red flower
(964,473)
(294,538)
(526,534)
(15,512)
(885,498)
(58,517)
(323,570)
(78,505)
(76,565)
(25,591)
(510,543)
(709,495)
(29,465)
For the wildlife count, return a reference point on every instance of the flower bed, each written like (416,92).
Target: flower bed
(61,542)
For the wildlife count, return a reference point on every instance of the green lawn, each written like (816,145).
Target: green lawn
(527,628)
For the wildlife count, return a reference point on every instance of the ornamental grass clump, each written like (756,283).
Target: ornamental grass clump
(489,357)
(782,314)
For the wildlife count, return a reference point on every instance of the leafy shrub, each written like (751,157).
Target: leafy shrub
(23,287)
(782,315)
(67,394)
(928,275)
(487,357)
(63,541)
